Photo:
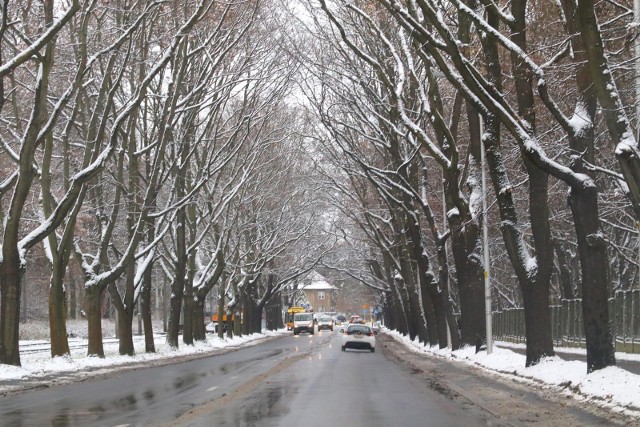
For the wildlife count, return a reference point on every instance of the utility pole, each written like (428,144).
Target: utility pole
(485,241)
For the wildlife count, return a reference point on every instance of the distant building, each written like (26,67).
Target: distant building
(314,292)
(318,293)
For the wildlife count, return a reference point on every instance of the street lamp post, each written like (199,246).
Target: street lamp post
(485,238)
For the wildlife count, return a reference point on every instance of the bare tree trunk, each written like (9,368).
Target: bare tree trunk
(57,314)
(12,265)
(145,309)
(175,307)
(535,289)
(199,332)
(595,82)
(125,313)
(465,250)
(402,306)
(389,311)
(189,310)
(595,278)
(274,313)
(125,332)
(221,309)
(10,279)
(465,232)
(178,284)
(247,317)
(417,326)
(93,310)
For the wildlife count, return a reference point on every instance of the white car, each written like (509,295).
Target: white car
(324,322)
(358,336)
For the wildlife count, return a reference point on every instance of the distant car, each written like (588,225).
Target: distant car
(356,319)
(325,322)
(340,319)
(359,337)
(302,322)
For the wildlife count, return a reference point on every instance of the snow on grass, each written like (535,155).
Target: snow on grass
(40,364)
(612,387)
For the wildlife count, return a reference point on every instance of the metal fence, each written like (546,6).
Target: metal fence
(567,327)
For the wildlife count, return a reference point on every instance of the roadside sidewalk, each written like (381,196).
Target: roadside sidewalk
(626,361)
(508,398)
(613,389)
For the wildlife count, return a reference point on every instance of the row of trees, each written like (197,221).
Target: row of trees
(409,94)
(142,139)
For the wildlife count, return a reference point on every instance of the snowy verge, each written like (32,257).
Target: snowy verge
(612,388)
(41,365)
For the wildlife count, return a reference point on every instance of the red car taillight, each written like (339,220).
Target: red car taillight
(370,334)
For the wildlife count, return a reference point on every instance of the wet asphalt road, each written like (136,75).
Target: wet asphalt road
(303,380)
(329,387)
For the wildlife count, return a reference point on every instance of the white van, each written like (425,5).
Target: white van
(302,322)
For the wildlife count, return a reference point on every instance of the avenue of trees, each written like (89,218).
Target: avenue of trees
(411,91)
(150,141)
(229,148)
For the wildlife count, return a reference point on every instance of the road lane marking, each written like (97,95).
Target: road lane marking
(212,388)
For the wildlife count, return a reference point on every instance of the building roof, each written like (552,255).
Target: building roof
(316,282)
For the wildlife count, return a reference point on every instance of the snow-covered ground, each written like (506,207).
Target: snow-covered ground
(36,364)
(612,387)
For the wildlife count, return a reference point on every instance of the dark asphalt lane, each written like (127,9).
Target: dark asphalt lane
(147,396)
(334,388)
(304,379)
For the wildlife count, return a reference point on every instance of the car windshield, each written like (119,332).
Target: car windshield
(302,316)
(358,329)
(324,319)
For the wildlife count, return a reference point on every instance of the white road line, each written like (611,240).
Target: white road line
(212,388)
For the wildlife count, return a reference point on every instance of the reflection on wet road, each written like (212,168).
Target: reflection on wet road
(150,396)
(284,381)
(330,387)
